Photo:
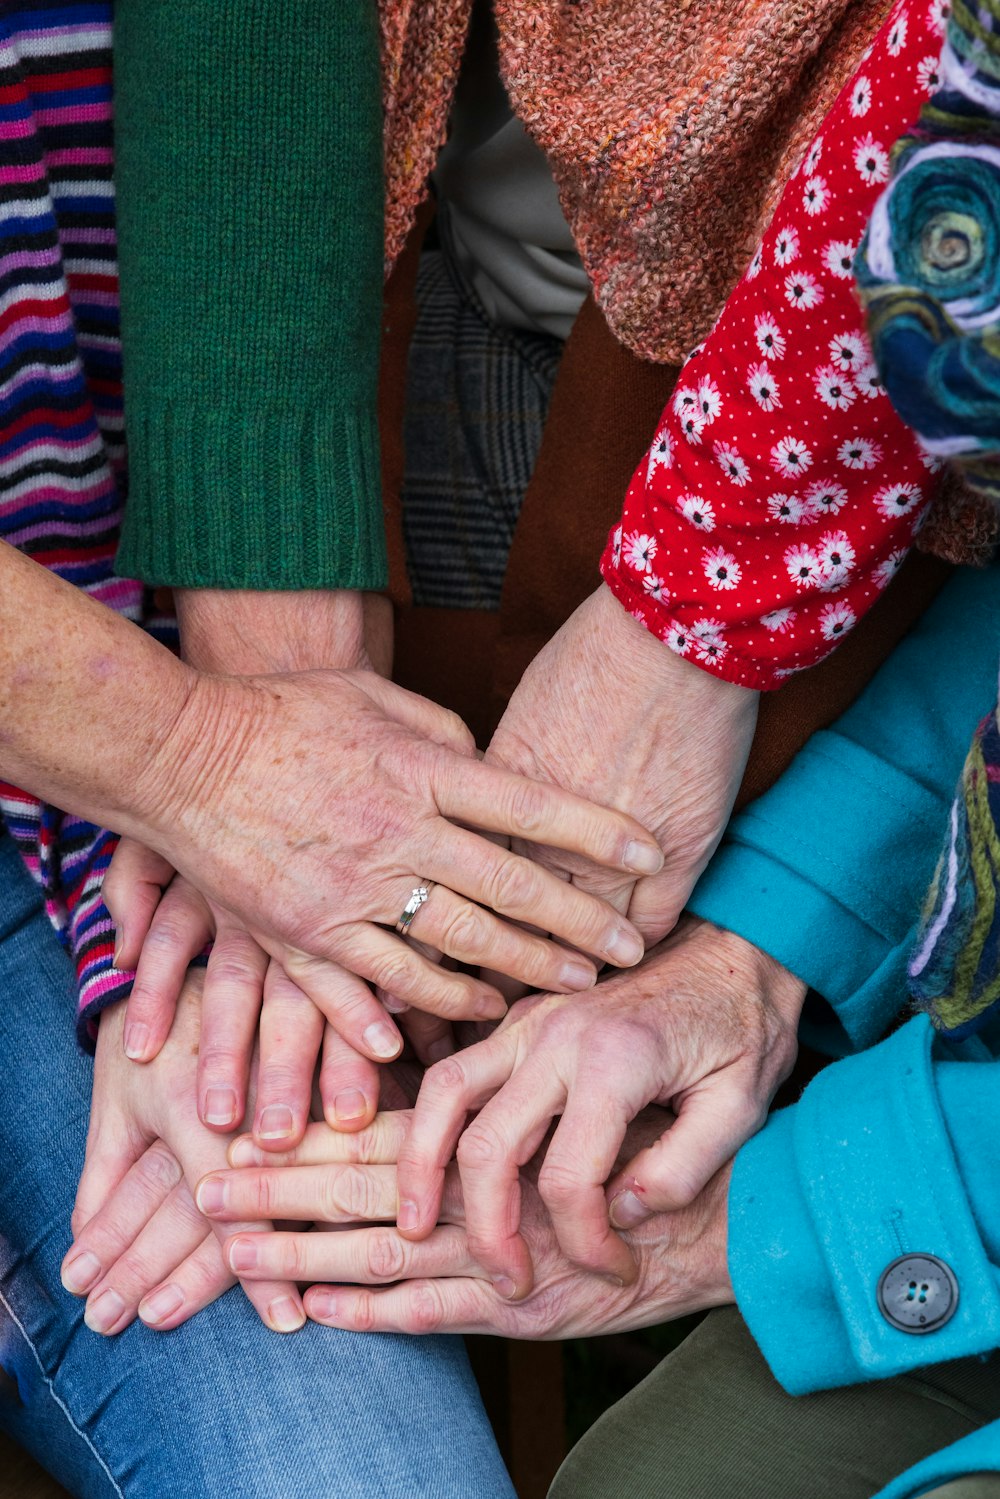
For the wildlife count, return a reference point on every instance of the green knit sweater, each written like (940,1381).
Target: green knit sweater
(249,161)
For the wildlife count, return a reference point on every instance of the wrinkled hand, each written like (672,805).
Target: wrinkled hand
(144,1132)
(707,1025)
(438,1285)
(610,712)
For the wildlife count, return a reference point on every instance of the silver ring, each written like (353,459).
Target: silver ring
(416,900)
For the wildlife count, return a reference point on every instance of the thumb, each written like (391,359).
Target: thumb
(132,889)
(710,1127)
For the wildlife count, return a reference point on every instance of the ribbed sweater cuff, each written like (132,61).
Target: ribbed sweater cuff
(261,499)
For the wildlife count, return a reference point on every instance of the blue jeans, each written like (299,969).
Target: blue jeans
(221,1406)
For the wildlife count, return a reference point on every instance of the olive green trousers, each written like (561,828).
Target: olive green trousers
(711,1422)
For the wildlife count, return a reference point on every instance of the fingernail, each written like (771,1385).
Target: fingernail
(393,1005)
(322,1304)
(382,1040)
(102,1313)
(504,1286)
(576,975)
(351,1104)
(136,1040)
(211,1195)
(243,1256)
(407,1217)
(490,1007)
(161,1305)
(643,858)
(628,1211)
(81,1272)
(285,1316)
(438,1050)
(276,1122)
(119,943)
(220,1106)
(624,948)
(245,1153)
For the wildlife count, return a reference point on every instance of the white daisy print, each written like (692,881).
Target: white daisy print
(804,566)
(837,558)
(656,588)
(836,620)
(698,512)
(721,568)
(931,462)
(661,454)
(897,37)
(731,464)
(815,196)
(887,570)
(848,350)
(753,269)
(838,257)
(709,399)
(939,12)
(710,649)
(770,339)
(871,160)
(859,452)
(693,425)
(708,629)
(929,74)
(868,381)
(791,456)
(677,638)
(861,98)
(834,389)
(616,546)
(803,291)
(825,499)
(786,247)
(685,400)
(786,508)
(778,621)
(763,386)
(640,551)
(898,499)
(812,157)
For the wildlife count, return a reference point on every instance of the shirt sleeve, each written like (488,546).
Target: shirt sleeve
(781,491)
(250,211)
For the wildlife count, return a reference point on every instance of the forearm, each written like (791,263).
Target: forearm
(86,698)
(246,632)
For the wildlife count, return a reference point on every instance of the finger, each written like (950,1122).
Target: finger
(173,1232)
(132,887)
(194,1284)
(711,1126)
(500,801)
(112,1149)
(470,934)
(577,1164)
(449,1091)
(341,994)
(368,1256)
(179,929)
(418,1307)
(522,890)
(303,1194)
(348,1084)
(379,1143)
(431,1037)
(657,903)
(123,1210)
(291,1034)
(231,1003)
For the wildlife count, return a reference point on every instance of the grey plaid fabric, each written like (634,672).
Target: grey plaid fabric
(476,401)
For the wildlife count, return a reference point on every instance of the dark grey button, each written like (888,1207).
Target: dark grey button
(918,1293)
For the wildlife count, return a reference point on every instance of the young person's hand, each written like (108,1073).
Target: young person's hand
(438,1285)
(707,1025)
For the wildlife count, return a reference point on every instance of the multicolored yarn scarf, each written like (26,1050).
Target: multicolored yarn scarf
(929,273)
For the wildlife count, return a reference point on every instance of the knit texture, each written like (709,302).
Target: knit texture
(250,244)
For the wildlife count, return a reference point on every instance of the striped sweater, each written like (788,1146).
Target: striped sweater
(62,473)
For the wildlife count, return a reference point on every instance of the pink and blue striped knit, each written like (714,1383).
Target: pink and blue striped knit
(62,471)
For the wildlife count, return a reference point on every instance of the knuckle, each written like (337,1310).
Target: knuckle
(445,1079)
(160,1167)
(526,806)
(464,929)
(349,1192)
(293,1256)
(385,1255)
(425,1313)
(363,1311)
(558,1184)
(393,972)
(218,1058)
(512,886)
(481,1145)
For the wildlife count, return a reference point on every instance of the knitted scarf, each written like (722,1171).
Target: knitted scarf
(670,125)
(929,273)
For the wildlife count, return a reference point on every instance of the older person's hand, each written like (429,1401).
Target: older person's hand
(707,1025)
(439,1285)
(609,711)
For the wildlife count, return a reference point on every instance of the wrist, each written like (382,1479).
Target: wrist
(237,632)
(758,972)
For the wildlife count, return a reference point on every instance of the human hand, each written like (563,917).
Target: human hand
(609,711)
(438,1285)
(134,1109)
(707,1025)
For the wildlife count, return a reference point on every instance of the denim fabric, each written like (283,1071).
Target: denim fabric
(221,1406)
